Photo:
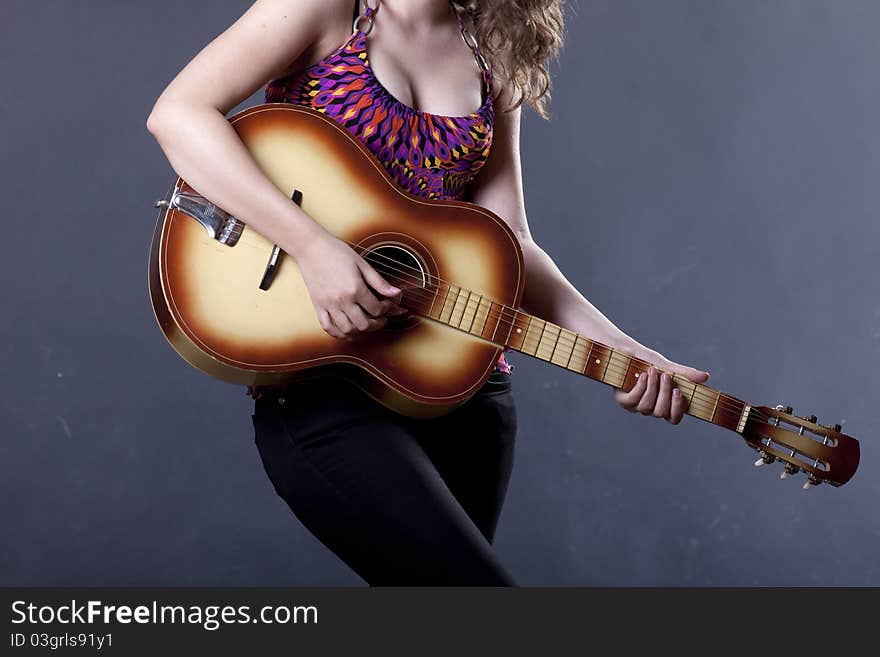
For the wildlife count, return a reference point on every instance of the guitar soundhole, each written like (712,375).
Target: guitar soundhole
(398,266)
(403,267)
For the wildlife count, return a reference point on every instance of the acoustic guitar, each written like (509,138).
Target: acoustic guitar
(233,305)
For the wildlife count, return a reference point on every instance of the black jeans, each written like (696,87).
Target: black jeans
(402,501)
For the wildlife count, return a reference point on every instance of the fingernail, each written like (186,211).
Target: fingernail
(676,393)
(665,377)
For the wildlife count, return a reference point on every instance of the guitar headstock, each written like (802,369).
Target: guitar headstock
(822,452)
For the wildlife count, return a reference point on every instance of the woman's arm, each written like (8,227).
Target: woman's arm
(188,120)
(549,294)
(189,117)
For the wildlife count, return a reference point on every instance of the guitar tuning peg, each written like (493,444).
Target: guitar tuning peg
(788,470)
(811,418)
(812,481)
(765,458)
(837,427)
(784,408)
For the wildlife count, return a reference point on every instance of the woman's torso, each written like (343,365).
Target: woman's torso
(430,155)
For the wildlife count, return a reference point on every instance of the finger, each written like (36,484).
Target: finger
(376,323)
(378,308)
(357,316)
(393,308)
(370,304)
(664,396)
(676,411)
(690,373)
(646,403)
(342,322)
(327,324)
(375,280)
(631,397)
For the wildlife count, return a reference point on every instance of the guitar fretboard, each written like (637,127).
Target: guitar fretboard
(508,327)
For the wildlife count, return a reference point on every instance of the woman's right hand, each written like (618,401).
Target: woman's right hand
(339,282)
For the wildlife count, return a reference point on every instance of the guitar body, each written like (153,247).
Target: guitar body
(207,298)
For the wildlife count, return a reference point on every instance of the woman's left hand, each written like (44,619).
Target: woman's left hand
(654,394)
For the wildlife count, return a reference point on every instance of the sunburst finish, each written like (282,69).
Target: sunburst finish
(207,297)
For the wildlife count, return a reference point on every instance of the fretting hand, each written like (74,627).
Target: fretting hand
(654,393)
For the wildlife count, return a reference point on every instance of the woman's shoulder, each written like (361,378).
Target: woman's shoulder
(330,26)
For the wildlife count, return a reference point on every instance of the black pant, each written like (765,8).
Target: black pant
(401,500)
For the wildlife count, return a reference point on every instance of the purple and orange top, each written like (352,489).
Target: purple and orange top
(431,156)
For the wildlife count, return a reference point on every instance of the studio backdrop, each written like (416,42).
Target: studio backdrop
(709,180)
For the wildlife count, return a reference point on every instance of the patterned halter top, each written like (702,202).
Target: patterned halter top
(431,156)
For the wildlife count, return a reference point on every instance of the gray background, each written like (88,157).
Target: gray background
(709,180)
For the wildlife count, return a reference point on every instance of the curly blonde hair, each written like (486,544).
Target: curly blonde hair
(519,38)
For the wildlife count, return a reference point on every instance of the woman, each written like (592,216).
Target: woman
(400,500)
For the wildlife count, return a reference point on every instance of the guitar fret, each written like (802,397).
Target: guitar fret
(626,373)
(541,339)
(559,360)
(576,364)
(728,412)
(452,317)
(513,323)
(541,345)
(443,305)
(618,372)
(533,336)
(598,362)
(555,342)
(433,301)
(474,315)
(486,318)
(705,407)
(571,353)
(546,339)
(497,321)
(607,363)
(587,359)
(700,406)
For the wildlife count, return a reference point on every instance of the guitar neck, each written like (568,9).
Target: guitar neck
(510,328)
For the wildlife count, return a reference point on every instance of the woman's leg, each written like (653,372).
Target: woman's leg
(356,475)
(472,448)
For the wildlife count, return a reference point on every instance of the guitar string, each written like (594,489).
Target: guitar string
(697,395)
(718,399)
(505,314)
(723,401)
(504,318)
